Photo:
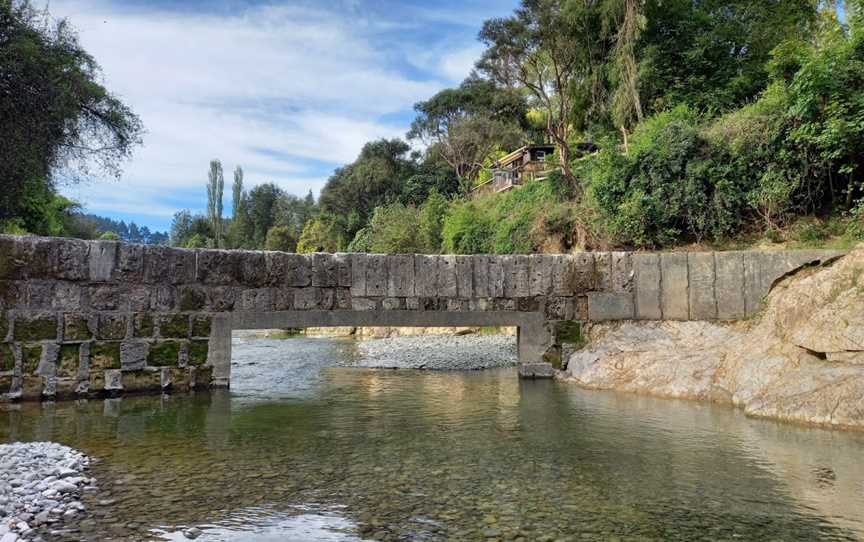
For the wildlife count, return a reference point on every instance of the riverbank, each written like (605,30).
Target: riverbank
(801,360)
(40,490)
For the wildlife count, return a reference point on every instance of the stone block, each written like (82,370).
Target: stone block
(324,271)
(703,304)
(31,387)
(215,267)
(531,304)
(540,274)
(376,275)
(133,355)
(105,298)
(138,298)
(149,380)
(173,326)
(457,305)
(68,258)
(65,388)
(4,325)
(400,275)
(447,284)
(307,298)
(343,269)
(48,359)
(516,271)
(622,272)
(283,299)
(753,292)
(647,270)
(412,303)
(39,294)
(221,298)
(253,269)
(111,326)
(301,270)
(83,362)
(358,274)
(536,370)
(5,384)
(465,276)
(164,354)
(70,355)
(505,304)
(674,297)
(202,377)
(496,276)
(113,380)
(603,271)
(191,298)
(143,325)
(481,304)
(257,299)
(556,308)
(180,378)
(604,306)
(66,296)
(198,352)
(201,324)
(342,299)
(102,260)
(391,303)
(363,304)
(583,276)
(425,275)
(168,265)
(729,285)
(130,263)
(104,355)
(563,269)
(480,278)
(39,327)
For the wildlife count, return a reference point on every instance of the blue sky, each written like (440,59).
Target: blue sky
(288,90)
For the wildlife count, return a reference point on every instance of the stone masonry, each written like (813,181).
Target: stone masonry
(84,318)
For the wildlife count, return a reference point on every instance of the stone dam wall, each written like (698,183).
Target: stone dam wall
(86,318)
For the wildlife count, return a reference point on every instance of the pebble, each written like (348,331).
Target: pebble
(40,482)
(439,352)
(192,533)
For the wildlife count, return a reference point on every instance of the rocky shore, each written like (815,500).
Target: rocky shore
(801,360)
(40,490)
(438,352)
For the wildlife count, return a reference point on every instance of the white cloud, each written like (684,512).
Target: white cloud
(304,82)
(457,65)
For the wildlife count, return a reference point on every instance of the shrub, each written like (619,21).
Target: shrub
(393,230)
(466,230)
(109,236)
(431,222)
(281,238)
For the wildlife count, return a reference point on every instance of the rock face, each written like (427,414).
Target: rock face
(802,360)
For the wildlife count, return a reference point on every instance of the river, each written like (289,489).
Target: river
(306,447)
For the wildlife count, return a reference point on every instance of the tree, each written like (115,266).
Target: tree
(56,120)
(262,206)
(464,124)
(537,49)
(181,227)
(237,191)
(431,222)
(281,238)
(215,189)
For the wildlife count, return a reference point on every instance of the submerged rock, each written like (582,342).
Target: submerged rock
(802,360)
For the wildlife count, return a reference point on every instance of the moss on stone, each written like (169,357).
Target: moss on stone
(203,377)
(112,326)
(7,357)
(164,353)
(5,383)
(143,326)
(174,326)
(569,332)
(201,324)
(31,355)
(68,360)
(192,299)
(137,381)
(36,328)
(198,352)
(104,355)
(4,326)
(76,328)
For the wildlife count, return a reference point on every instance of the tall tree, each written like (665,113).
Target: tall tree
(57,121)
(215,189)
(237,191)
(538,49)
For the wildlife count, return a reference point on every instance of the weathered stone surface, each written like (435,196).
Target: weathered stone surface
(191,298)
(772,367)
(363,304)
(173,326)
(325,271)
(201,324)
(536,370)
(480,279)
(69,360)
(111,326)
(540,274)
(400,275)
(31,356)
(141,380)
(648,286)
(391,304)
(703,305)
(104,355)
(376,275)
(257,299)
(674,297)
(133,355)
(39,327)
(130,263)
(516,271)
(425,275)
(465,276)
(729,286)
(103,257)
(603,271)
(198,352)
(164,353)
(7,358)
(610,306)
(447,284)
(358,274)
(143,325)
(496,276)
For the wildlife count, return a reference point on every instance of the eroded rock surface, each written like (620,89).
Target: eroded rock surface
(802,360)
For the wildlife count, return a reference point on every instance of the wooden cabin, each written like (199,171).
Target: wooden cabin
(529,163)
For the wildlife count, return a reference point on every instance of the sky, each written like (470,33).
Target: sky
(289,90)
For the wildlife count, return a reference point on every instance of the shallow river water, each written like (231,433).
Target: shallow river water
(305,447)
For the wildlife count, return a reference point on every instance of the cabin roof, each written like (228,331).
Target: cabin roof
(518,153)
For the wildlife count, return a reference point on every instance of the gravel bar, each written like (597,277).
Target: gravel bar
(40,490)
(439,352)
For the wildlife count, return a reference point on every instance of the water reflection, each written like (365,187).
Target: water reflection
(405,455)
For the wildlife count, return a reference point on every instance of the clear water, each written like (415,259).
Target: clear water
(304,447)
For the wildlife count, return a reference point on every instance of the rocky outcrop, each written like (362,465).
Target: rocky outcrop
(801,360)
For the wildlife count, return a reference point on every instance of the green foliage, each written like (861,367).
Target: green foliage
(56,119)
(466,230)
(109,236)
(321,234)
(393,230)
(431,222)
(282,238)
